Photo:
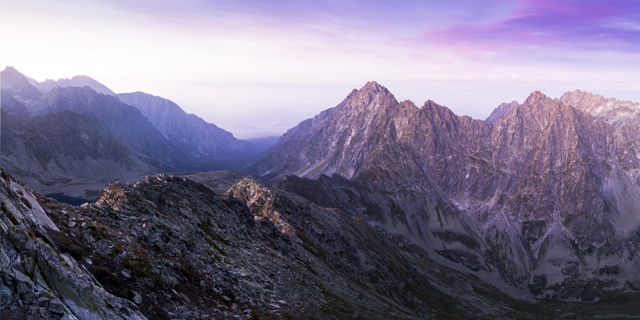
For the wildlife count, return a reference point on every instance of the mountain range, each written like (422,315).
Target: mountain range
(373,209)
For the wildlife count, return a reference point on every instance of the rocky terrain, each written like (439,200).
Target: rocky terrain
(169,248)
(379,209)
(545,201)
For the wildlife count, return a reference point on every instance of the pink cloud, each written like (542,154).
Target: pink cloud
(578,25)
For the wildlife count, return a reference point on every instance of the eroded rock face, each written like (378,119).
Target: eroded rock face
(545,186)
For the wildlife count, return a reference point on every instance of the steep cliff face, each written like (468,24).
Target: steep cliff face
(548,187)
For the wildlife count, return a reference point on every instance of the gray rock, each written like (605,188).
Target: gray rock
(44,313)
(42,301)
(137,299)
(56,306)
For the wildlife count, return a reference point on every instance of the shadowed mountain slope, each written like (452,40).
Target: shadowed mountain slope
(133,128)
(188,132)
(66,152)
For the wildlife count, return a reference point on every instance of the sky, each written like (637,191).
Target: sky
(258,68)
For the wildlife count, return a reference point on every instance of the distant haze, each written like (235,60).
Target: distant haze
(257,68)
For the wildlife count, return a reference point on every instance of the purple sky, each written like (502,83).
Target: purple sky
(260,67)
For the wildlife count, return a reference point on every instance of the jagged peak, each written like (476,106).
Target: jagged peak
(374,86)
(10,69)
(536,98)
(12,72)
(537,95)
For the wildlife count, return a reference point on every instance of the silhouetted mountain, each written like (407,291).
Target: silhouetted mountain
(77,81)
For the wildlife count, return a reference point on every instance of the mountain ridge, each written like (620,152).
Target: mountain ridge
(75,81)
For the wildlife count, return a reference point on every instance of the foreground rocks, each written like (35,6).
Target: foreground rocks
(169,248)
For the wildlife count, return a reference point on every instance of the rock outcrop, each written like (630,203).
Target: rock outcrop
(616,112)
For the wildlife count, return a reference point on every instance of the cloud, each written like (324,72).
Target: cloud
(569,25)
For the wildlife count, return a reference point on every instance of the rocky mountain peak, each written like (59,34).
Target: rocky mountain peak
(375,87)
(16,84)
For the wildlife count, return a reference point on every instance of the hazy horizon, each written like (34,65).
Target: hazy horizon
(259,68)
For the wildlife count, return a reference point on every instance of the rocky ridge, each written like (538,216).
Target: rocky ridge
(616,112)
(76,81)
(169,248)
(37,280)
